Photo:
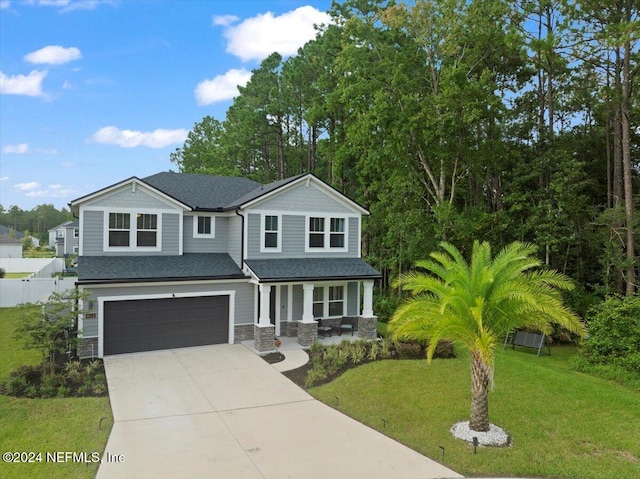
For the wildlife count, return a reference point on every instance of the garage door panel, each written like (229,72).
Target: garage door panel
(151,324)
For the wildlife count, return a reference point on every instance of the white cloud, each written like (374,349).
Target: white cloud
(4,178)
(159,138)
(68,5)
(4,4)
(57,192)
(47,151)
(54,55)
(66,164)
(27,186)
(30,85)
(224,20)
(16,149)
(257,37)
(222,87)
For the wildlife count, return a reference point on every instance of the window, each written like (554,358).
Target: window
(119,229)
(270,231)
(316,232)
(336,300)
(318,302)
(336,235)
(132,230)
(75,249)
(147,233)
(76,233)
(326,233)
(203,226)
(328,301)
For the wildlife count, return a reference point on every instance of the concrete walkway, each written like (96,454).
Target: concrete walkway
(221,411)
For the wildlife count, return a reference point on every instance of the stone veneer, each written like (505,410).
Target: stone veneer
(289,329)
(242,332)
(368,327)
(307,333)
(88,348)
(263,337)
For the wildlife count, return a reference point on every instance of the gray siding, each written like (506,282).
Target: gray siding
(298,302)
(304,199)
(243,305)
(90,327)
(234,238)
(93,236)
(293,233)
(205,245)
(352,299)
(126,198)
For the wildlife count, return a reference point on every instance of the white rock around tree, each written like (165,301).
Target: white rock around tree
(495,436)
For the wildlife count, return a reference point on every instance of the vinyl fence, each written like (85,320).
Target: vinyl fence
(38,286)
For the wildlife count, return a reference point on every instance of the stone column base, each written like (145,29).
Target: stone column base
(88,348)
(307,333)
(263,337)
(368,327)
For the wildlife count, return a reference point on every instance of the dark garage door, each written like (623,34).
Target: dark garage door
(150,324)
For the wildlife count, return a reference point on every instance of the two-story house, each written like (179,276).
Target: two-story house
(64,238)
(176,260)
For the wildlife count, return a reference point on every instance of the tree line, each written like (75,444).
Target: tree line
(35,222)
(455,120)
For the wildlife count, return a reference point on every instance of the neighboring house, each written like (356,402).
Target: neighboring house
(10,247)
(5,230)
(65,238)
(175,260)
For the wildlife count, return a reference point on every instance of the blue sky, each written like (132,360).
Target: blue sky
(96,91)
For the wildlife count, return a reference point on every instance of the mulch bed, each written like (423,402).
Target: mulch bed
(273,358)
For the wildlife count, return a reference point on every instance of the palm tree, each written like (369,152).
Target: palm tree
(476,304)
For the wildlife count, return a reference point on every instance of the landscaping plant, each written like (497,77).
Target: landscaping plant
(475,304)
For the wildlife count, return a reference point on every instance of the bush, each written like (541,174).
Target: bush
(614,334)
(3,272)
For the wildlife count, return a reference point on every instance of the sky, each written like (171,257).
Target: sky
(93,92)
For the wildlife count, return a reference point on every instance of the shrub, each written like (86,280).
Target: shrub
(3,272)
(614,334)
(409,350)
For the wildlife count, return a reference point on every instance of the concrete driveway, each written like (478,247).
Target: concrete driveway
(222,412)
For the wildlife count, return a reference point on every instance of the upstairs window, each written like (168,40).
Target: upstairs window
(147,233)
(336,235)
(326,233)
(203,226)
(119,229)
(316,232)
(76,233)
(270,231)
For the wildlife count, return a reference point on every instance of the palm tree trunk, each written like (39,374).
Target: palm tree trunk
(480,377)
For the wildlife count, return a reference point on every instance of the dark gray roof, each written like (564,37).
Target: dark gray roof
(303,269)
(202,191)
(4,239)
(263,190)
(119,269)
(5,230)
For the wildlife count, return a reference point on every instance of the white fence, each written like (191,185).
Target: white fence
(37,286)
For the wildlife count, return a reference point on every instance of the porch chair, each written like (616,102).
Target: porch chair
(347,324)
(323,329)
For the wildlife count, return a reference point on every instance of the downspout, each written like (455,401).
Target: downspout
(241,239)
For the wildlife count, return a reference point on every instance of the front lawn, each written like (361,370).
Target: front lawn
(562,424)
(46,425)
(16,275)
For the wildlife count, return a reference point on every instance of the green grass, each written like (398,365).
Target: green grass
(46,425)
(16,275)
(563,424)
(39,253)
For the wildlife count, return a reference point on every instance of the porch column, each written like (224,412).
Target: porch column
(307,306)
(307,328)
(367,322)
(265,305)
(367,306)
(264,331)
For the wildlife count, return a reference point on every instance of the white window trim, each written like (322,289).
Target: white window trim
(327,233)
(195,226)
(325,299)
(263,248)
(133,229)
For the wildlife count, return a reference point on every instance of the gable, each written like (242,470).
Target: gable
(132,195)
(307,197)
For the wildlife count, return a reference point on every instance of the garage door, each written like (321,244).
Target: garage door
(150,324)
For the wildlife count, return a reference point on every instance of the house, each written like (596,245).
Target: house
(5,230)
(64,238)
(10,247)
(175,260)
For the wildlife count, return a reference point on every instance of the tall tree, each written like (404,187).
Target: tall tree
(475,304)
